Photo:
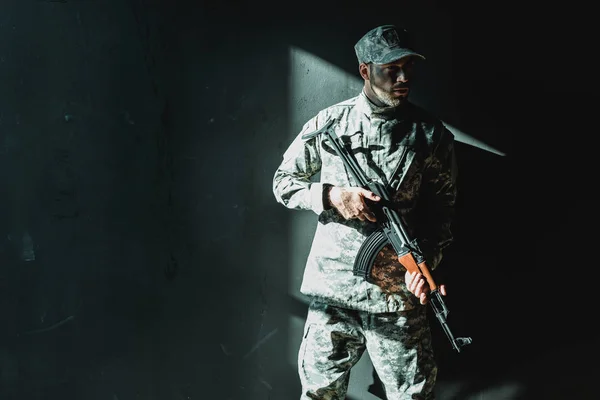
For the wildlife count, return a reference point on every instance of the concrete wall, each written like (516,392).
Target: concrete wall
(142,253)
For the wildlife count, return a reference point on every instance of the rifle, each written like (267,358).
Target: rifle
(390,230)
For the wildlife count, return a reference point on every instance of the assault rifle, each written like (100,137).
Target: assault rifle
(390,230)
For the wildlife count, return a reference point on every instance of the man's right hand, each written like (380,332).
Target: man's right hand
(350,202)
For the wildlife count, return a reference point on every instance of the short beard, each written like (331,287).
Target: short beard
(387,98)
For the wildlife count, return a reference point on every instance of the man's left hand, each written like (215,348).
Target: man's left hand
(417,284)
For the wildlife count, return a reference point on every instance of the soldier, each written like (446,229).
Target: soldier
(400,145)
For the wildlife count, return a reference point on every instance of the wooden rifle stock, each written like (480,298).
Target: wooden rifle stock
(409,262)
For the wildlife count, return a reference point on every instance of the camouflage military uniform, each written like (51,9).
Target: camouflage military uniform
(399,345)
(412,153)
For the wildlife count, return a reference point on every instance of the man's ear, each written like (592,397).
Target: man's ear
(363,69)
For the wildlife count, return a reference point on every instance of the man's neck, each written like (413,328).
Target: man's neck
(373,98)
(378,104)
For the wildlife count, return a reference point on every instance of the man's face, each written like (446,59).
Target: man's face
(390,82)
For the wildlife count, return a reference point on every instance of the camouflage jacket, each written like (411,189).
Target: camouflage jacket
(408,150)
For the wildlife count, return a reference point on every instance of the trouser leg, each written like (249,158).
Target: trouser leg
(399,345)
(332,344)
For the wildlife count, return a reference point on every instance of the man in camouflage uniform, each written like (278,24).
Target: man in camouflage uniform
(410,151)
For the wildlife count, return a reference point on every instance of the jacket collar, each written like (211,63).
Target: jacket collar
(370,109)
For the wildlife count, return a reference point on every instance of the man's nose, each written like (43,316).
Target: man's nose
(401,76)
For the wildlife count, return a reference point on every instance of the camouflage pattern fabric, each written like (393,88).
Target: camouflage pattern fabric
(404,148)
(383,45)
(399,345)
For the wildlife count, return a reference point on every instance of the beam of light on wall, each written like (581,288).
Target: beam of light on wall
(316,84)
(464,138)
(313,85)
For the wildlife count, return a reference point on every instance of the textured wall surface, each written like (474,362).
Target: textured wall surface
(143,255)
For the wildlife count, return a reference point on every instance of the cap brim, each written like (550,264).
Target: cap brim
(396,54)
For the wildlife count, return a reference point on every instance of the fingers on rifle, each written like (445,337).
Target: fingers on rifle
(410,280)
(366,212)
(370,195)
(443,289)
(421,288)
(417,277)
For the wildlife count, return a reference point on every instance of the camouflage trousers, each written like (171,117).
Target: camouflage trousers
(398,343)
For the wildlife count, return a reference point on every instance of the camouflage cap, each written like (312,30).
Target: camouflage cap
(384,44)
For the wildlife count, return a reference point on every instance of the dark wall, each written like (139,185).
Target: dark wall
(143,254)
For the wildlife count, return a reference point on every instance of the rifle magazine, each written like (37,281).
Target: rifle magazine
(367,253)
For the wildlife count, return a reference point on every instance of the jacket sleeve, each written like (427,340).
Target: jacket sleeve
(438,198)
(293,184)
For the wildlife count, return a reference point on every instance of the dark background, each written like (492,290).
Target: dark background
(143,255)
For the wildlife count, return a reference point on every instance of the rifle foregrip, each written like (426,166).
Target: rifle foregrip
(411,266)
